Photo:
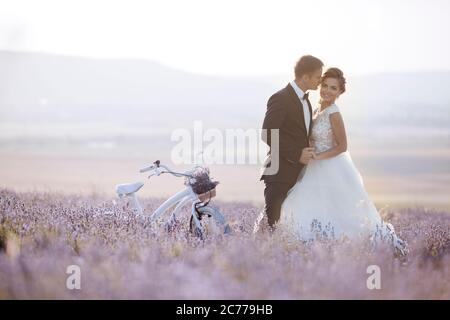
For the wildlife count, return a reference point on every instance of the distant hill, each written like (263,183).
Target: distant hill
(52,90)
(36,86)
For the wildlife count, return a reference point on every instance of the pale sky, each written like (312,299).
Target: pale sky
(238,37)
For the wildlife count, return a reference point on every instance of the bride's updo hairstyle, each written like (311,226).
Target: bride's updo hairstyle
(337,74)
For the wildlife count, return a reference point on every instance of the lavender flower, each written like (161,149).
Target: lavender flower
(123,257)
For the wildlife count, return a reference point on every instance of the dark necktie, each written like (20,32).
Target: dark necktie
(306,96)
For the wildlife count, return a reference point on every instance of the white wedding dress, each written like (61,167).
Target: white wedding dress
(329,199)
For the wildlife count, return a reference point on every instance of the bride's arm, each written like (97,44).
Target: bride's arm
(337,125)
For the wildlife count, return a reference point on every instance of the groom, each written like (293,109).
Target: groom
(289,110)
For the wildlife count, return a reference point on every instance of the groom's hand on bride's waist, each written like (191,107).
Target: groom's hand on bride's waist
(307,155)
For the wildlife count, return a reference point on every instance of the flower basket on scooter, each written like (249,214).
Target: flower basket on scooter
(202,184)
(207,195)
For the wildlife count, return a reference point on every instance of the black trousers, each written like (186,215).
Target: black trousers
(274,195)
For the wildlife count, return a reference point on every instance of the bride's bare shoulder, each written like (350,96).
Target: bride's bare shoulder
(333,109)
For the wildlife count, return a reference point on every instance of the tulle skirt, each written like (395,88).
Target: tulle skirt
(329,200)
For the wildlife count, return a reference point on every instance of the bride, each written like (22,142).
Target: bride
(329,199)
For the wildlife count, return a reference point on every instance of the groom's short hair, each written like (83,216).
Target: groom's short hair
(307,64)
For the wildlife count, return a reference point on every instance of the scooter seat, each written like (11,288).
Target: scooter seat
(126,189)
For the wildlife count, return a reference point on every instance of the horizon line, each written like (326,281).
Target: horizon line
(217,74)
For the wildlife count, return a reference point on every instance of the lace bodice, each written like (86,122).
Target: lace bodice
(322,137)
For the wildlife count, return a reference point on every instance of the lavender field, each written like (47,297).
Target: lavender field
(122,257)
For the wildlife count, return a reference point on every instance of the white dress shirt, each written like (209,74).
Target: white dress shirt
(300,95)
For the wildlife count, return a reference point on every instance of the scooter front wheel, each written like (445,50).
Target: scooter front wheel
(208,222)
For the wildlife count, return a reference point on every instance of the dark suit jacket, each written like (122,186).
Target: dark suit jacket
(285,112)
